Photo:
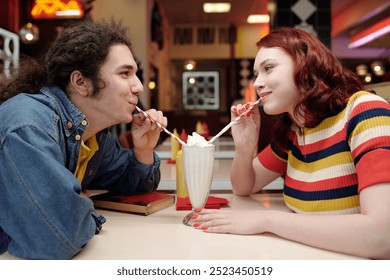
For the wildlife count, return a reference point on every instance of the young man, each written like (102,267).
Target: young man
(54,141)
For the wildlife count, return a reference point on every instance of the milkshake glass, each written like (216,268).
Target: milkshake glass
(198,163)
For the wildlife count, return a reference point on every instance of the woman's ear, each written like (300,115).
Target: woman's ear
(80,84)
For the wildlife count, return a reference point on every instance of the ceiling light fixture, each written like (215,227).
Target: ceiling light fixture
(189,65)
(29,33)
(258,19)
(222,7)
(373,32)
(361,70)
(152,85)
(378,68)
(368,78)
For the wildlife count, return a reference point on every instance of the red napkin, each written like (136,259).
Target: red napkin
(183,203)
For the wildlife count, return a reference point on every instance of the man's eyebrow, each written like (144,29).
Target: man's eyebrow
(127,66)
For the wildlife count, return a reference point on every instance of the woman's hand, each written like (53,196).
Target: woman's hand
(246,131)
(146,133)
(225,221)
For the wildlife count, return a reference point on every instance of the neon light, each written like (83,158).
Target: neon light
(46,9)
(258,19)
(223,7)
(377,30)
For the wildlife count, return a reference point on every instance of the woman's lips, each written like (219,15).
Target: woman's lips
(263,95)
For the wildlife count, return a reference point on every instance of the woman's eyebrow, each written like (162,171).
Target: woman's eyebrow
(266,61)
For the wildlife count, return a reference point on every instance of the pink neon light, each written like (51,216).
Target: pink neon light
(368,35)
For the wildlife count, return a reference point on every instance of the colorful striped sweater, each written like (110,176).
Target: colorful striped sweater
(328,165)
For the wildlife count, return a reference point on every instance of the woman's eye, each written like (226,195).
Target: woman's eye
(267,68)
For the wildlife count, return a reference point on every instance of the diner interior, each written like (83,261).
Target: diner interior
(176,42)
(194,65)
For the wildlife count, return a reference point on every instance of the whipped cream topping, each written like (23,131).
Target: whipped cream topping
(197,140)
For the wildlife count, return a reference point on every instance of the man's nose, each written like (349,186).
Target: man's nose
(137,88)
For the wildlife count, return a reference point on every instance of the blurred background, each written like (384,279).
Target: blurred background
(196,59)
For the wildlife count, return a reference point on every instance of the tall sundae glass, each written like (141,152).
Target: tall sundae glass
(198,163)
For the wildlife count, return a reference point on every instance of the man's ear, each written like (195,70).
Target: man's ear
(80,84)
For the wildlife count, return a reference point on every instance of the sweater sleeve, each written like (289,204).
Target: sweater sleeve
(368,132)
(270,160)
(373,168)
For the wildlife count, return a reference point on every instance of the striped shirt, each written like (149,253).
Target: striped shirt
(328,165)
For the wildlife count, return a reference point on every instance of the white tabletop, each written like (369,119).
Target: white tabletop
(163,236)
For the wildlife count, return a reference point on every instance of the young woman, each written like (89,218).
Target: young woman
(331,144)
(54,141)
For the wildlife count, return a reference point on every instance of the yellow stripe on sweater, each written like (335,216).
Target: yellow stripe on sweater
(331,161)
(323,205)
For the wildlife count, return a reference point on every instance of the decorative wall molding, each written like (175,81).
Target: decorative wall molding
(313,16)
(203,35)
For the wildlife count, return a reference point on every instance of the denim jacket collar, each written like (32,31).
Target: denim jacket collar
(70,115)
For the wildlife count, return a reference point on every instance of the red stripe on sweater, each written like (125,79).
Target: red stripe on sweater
(322,185)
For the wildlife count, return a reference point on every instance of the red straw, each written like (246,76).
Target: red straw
(234,121)
(160,126)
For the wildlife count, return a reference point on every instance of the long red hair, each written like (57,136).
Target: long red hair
(321,80)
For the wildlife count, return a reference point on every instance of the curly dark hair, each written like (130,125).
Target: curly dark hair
(83,46)
(322,82)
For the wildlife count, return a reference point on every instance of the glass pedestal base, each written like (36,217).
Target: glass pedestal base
(188,221)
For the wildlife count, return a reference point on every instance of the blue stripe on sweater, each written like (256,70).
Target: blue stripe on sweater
(339,147)
(322,195)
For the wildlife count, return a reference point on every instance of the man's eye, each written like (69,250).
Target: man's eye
(125,74)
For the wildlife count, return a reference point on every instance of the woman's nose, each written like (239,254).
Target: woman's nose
(258,85)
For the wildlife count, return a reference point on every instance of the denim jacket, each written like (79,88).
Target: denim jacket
(42,214)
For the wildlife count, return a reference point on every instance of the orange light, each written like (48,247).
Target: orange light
(50,9)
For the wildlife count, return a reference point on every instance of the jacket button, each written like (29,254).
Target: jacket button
(69,125)
(77,137)
(84,122)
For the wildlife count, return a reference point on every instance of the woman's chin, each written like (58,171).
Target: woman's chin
(272,111)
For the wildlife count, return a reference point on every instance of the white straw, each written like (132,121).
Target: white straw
(160,126)
(226,128)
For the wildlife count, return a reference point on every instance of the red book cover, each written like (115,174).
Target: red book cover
(143,203)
